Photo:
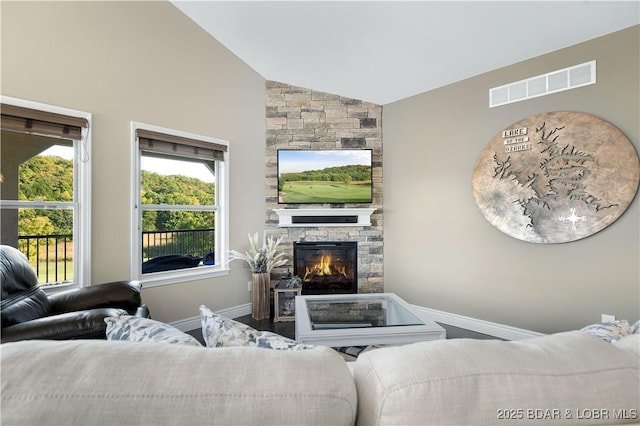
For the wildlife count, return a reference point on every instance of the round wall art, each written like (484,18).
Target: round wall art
(556,177)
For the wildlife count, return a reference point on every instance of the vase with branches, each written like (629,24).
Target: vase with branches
(261,259)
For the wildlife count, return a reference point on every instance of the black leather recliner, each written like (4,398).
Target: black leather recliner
(28,313)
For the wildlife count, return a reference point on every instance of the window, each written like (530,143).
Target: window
(179,221)
(44,190)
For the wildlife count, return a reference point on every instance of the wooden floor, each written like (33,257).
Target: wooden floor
(287,329)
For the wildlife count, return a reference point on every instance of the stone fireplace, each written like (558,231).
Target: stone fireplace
(301,118)
(326,267)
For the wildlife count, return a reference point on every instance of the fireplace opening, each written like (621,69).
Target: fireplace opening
(326,267)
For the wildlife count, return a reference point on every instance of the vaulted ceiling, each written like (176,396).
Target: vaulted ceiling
(383,51)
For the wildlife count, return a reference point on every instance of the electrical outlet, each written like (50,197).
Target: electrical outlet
(608,318)
(249,285)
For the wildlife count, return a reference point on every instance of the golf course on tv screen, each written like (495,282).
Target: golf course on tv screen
(324,176)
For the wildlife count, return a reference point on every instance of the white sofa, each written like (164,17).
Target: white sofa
(569,377)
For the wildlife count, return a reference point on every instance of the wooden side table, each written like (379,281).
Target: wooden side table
(284,301)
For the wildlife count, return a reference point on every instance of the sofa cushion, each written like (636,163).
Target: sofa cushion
(135,329)
(219,331)
(125,383)
(630,343)
(463,381)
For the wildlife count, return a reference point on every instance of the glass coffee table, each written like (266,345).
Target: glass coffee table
(360,320)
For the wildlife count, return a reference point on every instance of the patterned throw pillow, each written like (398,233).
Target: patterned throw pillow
(219,331)
(609,331)
(136,329)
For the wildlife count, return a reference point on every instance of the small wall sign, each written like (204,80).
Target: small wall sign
(556,177)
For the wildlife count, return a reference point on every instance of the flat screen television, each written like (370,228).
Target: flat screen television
(319,176)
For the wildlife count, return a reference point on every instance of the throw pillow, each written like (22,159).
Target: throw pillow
(635,328)
(219,331)
(609,331)
(137,329)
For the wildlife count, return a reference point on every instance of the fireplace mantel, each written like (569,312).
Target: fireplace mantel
(307,217)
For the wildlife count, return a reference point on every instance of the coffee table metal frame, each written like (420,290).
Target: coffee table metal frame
(397,310)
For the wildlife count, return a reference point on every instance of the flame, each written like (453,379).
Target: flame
(323,268)
(325,265)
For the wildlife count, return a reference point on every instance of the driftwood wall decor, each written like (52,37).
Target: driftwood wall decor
(556,177)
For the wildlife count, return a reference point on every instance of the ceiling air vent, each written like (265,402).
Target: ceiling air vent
(545,84)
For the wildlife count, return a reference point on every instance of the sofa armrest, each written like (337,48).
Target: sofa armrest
(88,324)
(119,294)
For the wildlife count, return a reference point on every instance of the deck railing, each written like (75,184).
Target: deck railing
(194,242)
(52,255)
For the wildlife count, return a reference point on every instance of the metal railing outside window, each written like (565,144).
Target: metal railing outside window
(197,242)
(52,255)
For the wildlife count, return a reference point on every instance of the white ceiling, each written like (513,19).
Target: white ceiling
(383,51)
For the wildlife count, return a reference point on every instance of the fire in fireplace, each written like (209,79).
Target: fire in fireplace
(326,267)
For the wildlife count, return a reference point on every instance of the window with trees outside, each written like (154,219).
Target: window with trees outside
(179,224)
(44,188)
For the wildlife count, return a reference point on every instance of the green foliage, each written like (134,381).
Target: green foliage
(357,173)
(47,178)
(31,224)
(176,190)
(50,178)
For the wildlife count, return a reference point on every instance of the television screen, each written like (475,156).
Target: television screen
(324,176)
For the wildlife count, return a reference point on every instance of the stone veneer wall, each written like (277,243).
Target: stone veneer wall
(299,118)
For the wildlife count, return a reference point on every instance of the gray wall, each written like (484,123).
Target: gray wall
(440,252)
(146,62)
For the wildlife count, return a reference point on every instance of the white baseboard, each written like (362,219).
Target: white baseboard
(194,323)
(479,326)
